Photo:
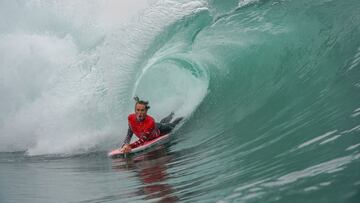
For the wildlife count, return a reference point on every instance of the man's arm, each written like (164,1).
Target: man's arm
(125,148)
(139,141)
(128,137)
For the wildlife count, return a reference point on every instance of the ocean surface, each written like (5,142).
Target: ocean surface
(269,89)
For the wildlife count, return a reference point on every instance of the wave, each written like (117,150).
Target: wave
(269,89)
(86,72)
(244,73)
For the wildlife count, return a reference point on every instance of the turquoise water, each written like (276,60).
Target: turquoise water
(269,90)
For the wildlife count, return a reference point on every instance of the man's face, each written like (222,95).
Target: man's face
(140,111)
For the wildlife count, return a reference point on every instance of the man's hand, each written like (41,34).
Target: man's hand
(125,149)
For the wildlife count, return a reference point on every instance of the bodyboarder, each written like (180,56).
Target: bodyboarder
(144,127)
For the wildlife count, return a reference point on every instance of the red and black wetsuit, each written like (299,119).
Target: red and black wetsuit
(145,130)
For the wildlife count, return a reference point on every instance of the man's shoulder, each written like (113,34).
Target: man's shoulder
(150,118)
(131,116)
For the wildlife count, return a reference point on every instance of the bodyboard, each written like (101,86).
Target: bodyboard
(147,146)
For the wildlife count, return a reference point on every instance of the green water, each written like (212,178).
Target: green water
(270,91)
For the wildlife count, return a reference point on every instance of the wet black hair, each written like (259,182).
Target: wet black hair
(145,103)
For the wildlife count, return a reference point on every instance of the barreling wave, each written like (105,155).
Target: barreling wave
(269,89)
(86,73)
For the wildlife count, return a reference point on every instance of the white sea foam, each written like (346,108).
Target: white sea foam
(68,70)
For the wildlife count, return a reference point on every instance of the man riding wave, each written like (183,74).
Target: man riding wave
(144,127)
